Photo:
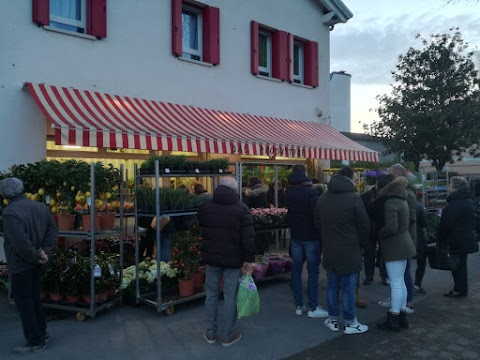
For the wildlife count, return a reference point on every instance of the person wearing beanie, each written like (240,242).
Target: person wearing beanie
(301,198)
(30,235)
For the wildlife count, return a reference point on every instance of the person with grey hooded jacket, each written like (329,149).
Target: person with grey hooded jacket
(30,235)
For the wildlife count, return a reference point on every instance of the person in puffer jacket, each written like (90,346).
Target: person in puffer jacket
(228,249)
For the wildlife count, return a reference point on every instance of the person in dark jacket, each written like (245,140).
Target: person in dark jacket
(228,248)
(392,221)
(256,194)
(271,195)
(421,244)
(370,257)
(457,232)
(30,235)
(301,198)
(345,227)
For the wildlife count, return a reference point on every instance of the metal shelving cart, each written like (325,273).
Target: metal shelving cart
(155,299)
(93,308)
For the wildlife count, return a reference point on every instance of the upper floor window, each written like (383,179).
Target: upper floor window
(280,55)
(195,31)
(191,34)
(298,62)
(76,16)
(265,53)
(68,15)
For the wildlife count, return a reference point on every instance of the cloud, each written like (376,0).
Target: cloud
(368,49)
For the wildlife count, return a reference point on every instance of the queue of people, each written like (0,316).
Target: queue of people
(334,228)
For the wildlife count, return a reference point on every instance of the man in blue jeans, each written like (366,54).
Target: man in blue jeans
(345,227)
(301,198)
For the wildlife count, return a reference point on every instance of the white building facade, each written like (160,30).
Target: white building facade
(230,58)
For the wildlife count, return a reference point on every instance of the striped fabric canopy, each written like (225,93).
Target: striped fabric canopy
(87,118)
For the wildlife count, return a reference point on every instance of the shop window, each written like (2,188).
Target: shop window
(195,32)
(298,59)
(77,16)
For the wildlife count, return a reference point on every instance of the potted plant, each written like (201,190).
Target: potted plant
(183,260)
(218,165)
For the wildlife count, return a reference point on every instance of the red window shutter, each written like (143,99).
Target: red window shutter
(311,63)
(254,47)
(280,55)
(177,27)
(41,12)
(211,35)
(97,18)
(290,58)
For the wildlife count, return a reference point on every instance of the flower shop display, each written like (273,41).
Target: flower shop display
(186,257)
(179,164)
(148,272)
(270,218)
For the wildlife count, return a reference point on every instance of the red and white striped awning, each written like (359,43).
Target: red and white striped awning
(88,118)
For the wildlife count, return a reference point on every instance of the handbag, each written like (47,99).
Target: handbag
(441,259)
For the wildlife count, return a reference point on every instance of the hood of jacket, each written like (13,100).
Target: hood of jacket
(395,188)
(297,177)
(225,195)
(459,194)
(340,183)
(256,190)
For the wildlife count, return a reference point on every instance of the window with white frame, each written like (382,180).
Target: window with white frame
(70,15)
(265,53)
(192,33)
(298,62)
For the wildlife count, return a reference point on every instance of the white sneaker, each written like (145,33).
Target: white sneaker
(299,310)
(409,310)
(331,324)
(354,328)
(317,313)
(386,303)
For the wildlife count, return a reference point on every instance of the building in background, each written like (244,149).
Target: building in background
(340,100)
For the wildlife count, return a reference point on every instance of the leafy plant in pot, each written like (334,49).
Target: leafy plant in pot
(218,165)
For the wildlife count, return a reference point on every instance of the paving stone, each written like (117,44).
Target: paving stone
(446,355)
(425,354)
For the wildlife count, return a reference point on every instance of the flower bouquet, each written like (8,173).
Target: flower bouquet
(270,218)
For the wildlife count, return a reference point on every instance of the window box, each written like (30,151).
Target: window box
(195,32)
(88,17)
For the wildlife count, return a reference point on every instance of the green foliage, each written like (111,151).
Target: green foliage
(433,109)
(218,164)
(170,199)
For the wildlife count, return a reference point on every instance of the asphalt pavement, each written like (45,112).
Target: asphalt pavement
(441,328)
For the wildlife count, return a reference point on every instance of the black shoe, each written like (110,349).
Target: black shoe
(392,323)
(402,320)
(47,338)
(455,294)
(385,282)
(418,290)
(367,281)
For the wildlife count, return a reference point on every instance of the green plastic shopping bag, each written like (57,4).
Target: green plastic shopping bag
(248,301)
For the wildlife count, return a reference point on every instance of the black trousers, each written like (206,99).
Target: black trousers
(460,275)
(26,293)
(371,259)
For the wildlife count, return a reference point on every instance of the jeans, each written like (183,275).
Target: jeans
(460,275)
(396,275)
(26,293)
(409,282)
(231,279)
(348,284)
(309,250)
